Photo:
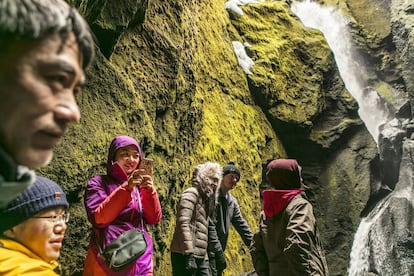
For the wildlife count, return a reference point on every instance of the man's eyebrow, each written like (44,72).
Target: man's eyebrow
(58,65)
(66,67)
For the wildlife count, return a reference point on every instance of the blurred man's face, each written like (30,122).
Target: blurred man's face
(38,84)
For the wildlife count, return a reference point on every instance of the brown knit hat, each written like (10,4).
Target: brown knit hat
(284,174)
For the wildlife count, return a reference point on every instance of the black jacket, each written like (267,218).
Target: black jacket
(219,231)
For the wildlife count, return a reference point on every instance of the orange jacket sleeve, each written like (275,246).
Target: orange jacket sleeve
(110,208)
(151,206)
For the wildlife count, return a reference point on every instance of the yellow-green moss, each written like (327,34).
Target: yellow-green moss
(385,91)
(191,71)
(174,84)
(282,50)
(373,18)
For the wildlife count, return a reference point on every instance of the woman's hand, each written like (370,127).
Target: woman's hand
(137,178)
(147,182)
(134,179)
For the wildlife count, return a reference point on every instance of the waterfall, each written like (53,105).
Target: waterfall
(360,252)
(383,243)
(372,109)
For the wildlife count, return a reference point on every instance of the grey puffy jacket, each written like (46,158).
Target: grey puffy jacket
(191,229)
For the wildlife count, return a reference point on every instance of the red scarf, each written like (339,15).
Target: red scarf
(274,201)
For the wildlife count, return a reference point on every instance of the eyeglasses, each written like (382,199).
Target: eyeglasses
(55,219)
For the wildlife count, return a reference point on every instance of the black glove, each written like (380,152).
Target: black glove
(190,263)
(220,261)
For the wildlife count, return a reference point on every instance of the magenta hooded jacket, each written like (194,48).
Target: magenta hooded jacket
(112,209)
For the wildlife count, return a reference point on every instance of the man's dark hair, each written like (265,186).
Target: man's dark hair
(38,19)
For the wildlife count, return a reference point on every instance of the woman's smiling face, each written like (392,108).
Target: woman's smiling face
(128,158)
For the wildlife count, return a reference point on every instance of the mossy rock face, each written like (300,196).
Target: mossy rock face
(290,62)
(173,82)
(294,80)
(109,19)
(296,83)
(381,30)
(402,24)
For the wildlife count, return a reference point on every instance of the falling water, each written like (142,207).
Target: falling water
(360,252)
(334,26)
(372,109)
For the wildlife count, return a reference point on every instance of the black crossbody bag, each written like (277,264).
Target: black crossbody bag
(126,248)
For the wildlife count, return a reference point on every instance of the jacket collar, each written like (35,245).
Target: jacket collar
(118,173)
(274,201)
(8,168)
(14,178)
(18,247)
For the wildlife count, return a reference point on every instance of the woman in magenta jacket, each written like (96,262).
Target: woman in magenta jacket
(122,199)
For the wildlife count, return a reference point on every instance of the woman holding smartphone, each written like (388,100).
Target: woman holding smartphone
(118,201)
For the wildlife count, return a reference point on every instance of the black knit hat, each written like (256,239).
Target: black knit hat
(231,168)
(41,195)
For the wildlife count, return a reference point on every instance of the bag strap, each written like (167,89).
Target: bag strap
(104,181)
(97,243)
(140,207)
(141,214)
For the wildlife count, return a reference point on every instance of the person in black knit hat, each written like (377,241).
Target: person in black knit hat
(228,211)
(32,228)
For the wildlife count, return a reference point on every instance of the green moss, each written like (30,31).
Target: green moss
(289,61)
(385,91)
(332,183)
(174,84)
(230,125)
(373,18)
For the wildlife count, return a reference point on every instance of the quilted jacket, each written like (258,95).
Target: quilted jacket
(191,229)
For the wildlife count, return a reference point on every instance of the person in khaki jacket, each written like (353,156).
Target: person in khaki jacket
(195,208)
(287,240)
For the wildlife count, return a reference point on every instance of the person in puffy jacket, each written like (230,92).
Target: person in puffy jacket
(195,208)
(287,240)
(123,199)
(32,228)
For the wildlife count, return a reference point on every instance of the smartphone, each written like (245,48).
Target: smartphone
(147,165)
